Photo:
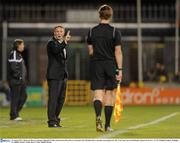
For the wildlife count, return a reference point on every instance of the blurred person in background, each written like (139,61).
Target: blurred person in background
(177,77)
(163,74)
(57,74)
(158,73)
(4,87)
(104,47)
(17,79)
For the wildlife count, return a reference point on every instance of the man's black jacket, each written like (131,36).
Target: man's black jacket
(57,67)
(16,68)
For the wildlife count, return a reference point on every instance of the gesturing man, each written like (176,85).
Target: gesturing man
(57,74)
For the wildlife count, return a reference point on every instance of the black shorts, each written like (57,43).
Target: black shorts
(103,75)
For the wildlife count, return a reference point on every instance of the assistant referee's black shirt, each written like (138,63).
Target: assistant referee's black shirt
(104,38)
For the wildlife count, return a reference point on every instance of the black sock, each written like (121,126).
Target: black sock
(98,107)
(108,113)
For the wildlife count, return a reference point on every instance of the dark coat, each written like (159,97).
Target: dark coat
(16,68)
(57,56)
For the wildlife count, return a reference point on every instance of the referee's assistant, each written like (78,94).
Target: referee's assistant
(104,46)
(57,74)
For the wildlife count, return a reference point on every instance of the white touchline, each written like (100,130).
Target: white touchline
(115,133)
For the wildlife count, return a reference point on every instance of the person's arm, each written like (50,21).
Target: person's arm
(119,59)
(118,54)
(67,37)
(89,42)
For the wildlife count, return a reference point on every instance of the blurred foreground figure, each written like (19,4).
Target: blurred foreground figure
(4,87)
(57,74)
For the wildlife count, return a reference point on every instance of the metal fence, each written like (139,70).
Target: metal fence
(78,61)
(59,13)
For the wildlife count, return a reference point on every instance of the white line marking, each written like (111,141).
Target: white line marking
(115,133)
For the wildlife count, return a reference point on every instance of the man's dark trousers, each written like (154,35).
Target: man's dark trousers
(18,99)
(57,92)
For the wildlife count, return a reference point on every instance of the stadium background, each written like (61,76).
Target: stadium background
(150,35)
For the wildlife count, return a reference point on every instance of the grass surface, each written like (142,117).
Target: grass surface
(79,122)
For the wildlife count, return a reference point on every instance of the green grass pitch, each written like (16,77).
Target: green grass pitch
(79,122)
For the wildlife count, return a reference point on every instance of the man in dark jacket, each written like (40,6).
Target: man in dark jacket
(17,77)
(57,74)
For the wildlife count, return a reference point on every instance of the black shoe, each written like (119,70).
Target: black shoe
(99,126)
(60,126)
(16,119)
(58,120)
(55,126)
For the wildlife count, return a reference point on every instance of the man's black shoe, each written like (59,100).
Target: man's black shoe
(58,120)
(55,126)
(99,125)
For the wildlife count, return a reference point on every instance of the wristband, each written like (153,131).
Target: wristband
(120,69)
(117,71)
